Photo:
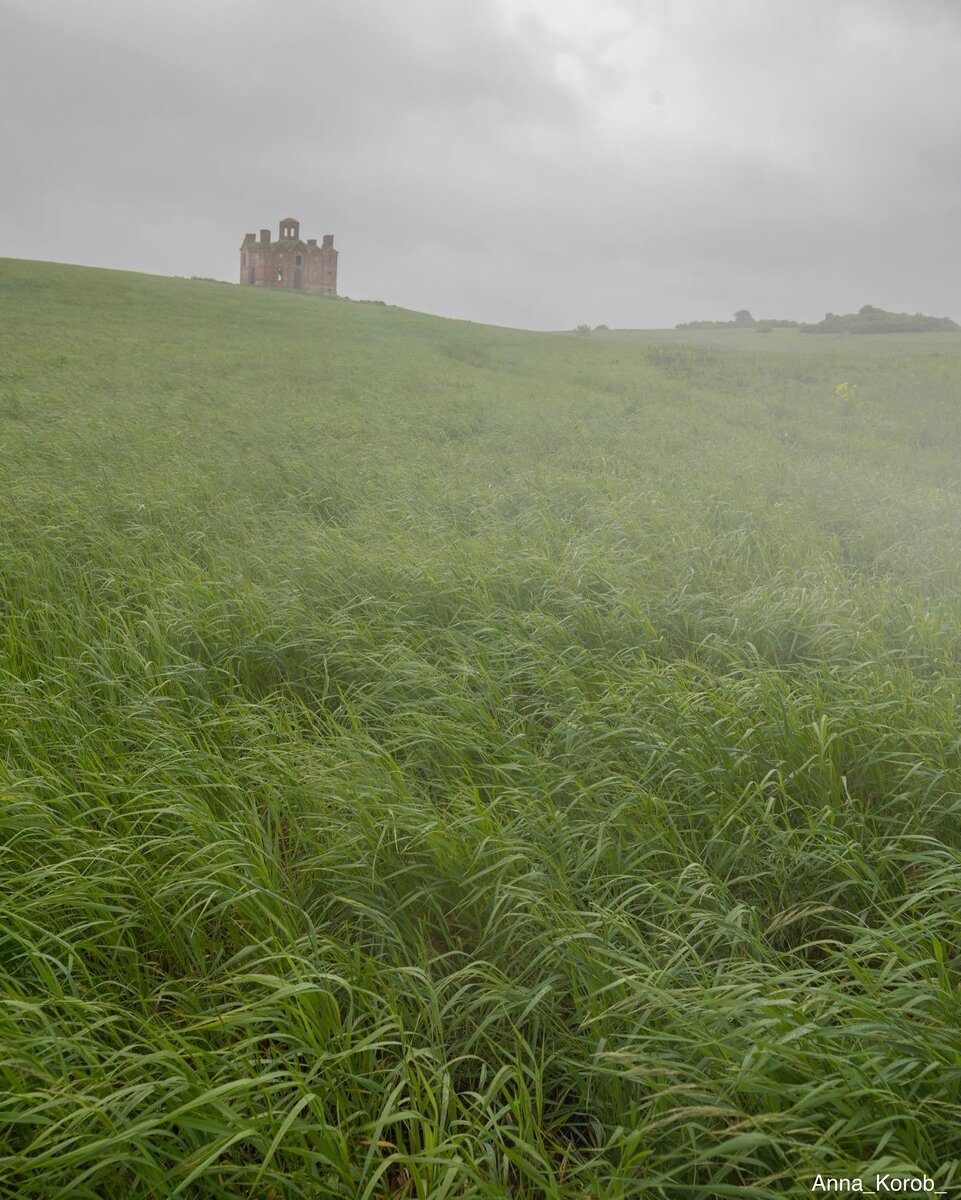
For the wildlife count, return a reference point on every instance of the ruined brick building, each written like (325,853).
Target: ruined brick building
(289,262)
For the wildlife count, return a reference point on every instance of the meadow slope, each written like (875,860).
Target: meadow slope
(444,761)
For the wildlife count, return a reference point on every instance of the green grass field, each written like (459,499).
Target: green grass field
(790,341)
(445,761)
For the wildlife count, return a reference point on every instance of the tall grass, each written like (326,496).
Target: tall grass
(440,761)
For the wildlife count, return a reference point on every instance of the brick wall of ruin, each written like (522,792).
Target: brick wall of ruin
(291,265)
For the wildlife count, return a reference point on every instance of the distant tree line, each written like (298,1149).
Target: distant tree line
(875,320)
(742,320)
(867,320)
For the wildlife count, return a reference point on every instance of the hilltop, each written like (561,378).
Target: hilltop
(441,760)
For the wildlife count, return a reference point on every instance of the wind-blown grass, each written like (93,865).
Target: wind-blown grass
(441,761)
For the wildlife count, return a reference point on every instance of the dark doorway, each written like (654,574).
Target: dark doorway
(250,275)
(298,280)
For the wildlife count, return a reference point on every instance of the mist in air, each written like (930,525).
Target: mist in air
(538,163)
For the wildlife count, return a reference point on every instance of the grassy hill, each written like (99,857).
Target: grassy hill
(793,341)
(445,761)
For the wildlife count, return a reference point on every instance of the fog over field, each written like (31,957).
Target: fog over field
(479,717)
(450,763)
(528,162)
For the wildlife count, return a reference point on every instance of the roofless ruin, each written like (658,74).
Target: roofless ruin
(289,263)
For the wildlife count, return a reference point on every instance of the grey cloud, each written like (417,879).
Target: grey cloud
(488,160)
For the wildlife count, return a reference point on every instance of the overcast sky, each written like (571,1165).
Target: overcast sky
(524,162)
